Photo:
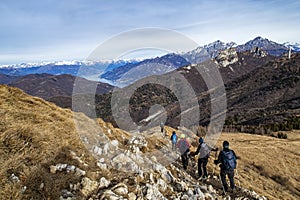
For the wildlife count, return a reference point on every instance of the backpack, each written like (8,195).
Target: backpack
(183,146)
(204,151)
(229,160)
(174,138)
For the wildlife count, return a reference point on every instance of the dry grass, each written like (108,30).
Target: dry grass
(33,135)
(269,166)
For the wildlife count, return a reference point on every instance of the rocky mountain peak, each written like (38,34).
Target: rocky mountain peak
(227,57)
(269,46)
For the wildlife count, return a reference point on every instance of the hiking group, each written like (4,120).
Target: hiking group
(226,158)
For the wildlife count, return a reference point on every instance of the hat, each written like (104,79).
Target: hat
(182,135)
(201,140)
(226,144)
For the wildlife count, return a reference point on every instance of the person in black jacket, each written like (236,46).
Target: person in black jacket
(227,158)
(204,151)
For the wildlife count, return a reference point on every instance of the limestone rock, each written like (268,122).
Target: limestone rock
(125,163)
(52,169)
(161,184)
(120,189)
(131,196)
(227,57)
(103,183)
(88,186)
(109,195)
(79,172)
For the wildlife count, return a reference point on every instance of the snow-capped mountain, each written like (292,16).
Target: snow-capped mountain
(86,69)
(112,71)
(131,72)
(293,45)
(269,46)
(206,52)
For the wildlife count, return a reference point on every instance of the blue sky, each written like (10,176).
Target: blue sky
(34,31)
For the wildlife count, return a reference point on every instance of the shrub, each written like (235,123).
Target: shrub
(280,179)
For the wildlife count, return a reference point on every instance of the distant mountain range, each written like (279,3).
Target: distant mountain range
(260,90)
(55,88)
(124,72)
(131,72)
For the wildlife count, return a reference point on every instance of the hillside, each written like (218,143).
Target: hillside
(5,79)
(56,87)
(267,165)
(43,157)
(260,90)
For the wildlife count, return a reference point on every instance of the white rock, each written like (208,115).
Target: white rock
(190,193)
(208,196)
(104,182)
(75,187)
(66,195)
(153,192)
(24,188)
(102,166)
(106,148)
(88,186)
(60,167)
(120,189)
(161,184)
(203,188)
(131,196)
(70,168)
(227,198)
(115,143)
(211,189)
(153,158)
(166,175)
(109,195)
(13,178)
(185,197)
(151,178)
(199,193)
(138,140)
(79,172)
(97,150)
(42,186)
(123,162)
(52,169)
(102,160)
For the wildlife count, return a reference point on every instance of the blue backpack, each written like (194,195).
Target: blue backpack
(174,138)
(229,160)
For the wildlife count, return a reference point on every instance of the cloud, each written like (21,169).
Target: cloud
(28,27)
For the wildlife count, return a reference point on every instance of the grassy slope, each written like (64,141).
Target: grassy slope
(33,135)
(269,166)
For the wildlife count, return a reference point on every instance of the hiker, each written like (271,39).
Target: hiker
(174,140)
(162,127)
(204,151)
(184,148)
(227,158)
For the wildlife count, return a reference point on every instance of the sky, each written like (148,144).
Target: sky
(52,30)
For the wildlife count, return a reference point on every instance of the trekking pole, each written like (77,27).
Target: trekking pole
(214,169)
(238,178)
(222,184)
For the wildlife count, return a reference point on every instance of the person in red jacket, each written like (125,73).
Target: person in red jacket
(184,148)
